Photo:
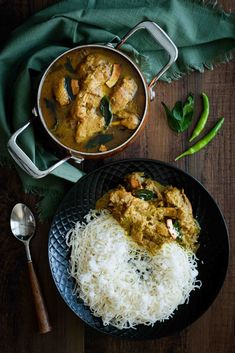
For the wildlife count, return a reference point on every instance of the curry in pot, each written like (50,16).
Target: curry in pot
(92,100)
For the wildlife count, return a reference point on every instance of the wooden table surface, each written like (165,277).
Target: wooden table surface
(214,332)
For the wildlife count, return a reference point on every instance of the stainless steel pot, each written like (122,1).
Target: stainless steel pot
(26,163)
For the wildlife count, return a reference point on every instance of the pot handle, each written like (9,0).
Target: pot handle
(24,161)
(162,38)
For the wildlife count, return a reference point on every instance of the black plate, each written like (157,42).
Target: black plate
(213,252)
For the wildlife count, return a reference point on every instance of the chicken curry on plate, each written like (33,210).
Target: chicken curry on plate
(152,214)
(92,100)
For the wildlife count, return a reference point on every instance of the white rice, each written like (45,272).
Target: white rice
(120,281)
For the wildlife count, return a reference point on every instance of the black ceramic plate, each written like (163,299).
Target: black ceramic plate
(213,252)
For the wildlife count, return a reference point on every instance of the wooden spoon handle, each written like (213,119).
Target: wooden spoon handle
(41,311)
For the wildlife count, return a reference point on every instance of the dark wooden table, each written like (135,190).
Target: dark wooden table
(214,332)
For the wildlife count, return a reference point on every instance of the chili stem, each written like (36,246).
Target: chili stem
(203,118)
(204,141)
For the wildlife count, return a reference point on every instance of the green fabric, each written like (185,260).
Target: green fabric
(204,34)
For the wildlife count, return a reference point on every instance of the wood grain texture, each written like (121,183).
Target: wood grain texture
(214,332)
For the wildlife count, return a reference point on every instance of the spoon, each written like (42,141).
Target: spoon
(23,225)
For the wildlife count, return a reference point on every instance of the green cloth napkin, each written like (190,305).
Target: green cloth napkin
(204,34)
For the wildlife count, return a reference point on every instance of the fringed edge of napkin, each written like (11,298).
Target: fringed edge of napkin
(219,60)
(213,4)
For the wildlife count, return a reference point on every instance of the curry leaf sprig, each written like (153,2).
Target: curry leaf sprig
(180,117)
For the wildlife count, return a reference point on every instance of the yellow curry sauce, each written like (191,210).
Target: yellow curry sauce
(151,213)
(82,89)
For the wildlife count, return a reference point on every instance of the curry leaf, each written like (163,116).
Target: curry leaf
(68,65)
(51,105)
(180,117)
(98,140)
(106,111)
(68,87)
(144,194)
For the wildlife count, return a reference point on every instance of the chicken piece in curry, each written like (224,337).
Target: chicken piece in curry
(151,213)
(92,100)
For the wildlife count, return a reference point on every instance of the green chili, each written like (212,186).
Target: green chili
(204,141)
(203,118)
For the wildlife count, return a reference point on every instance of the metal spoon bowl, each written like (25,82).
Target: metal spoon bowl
(23,226)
